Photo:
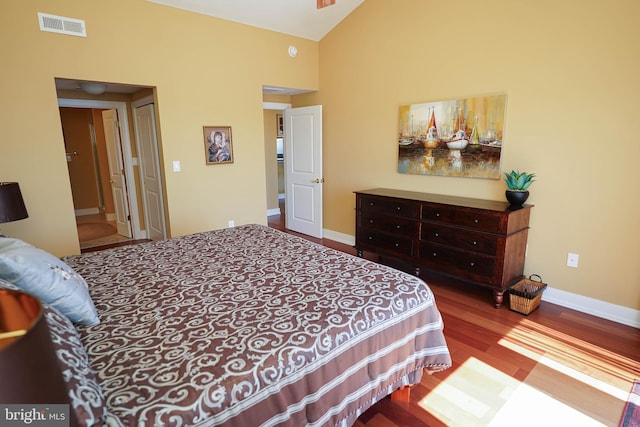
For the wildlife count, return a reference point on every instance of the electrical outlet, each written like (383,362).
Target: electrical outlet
(176,165)
(232,223)
(572,260)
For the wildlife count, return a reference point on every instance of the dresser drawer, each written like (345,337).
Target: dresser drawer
(482,220)
(390,244)
(389,224)
(469,240)
(463,264)
(401,208)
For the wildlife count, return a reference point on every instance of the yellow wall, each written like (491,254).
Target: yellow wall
(570,71)
(206,71)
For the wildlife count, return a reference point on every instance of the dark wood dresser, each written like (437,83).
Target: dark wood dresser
(478,241)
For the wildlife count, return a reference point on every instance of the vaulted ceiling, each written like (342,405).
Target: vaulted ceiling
(301,18)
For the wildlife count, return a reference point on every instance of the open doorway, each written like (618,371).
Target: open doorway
(301,165)
(89,175)
(275,159)
(132,162)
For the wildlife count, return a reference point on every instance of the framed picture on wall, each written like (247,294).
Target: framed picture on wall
(218,146)
(457,137)
(280,124)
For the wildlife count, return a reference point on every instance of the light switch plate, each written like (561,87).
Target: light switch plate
(176,165)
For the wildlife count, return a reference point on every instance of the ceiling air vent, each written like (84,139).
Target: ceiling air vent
(62,25)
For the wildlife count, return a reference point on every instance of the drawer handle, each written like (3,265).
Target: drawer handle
(476,220)
(475,243)
(438,214)
(435,254)
(370,238)
(397,245)
(472,264)
(398,208)
(397,227)
(370,221)
(371,203)
(436,234)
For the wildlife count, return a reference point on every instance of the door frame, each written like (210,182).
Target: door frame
(277,106)
(121,107)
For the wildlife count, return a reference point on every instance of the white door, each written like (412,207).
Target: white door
(303,170)
(145,122)
(116,171)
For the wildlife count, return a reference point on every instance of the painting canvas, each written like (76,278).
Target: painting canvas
(460,137)
(218,146)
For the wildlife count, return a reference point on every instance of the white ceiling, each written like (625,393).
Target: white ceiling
(299,18)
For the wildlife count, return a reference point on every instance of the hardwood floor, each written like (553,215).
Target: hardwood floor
(555,366)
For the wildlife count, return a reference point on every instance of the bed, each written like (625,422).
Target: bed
(244,326)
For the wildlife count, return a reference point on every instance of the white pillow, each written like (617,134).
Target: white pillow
(48,278)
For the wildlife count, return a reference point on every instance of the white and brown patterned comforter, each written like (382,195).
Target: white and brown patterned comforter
(250,326)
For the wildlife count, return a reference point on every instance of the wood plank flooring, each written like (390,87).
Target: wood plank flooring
(554,367)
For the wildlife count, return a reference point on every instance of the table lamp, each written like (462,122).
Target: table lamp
(12,206)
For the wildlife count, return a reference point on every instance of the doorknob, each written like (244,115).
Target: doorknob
(318,181)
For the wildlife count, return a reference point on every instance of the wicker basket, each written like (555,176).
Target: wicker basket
(525,296)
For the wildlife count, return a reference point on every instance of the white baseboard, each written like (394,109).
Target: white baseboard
(605,310)
(339,237)
(110,216)
(275,211)
(87,211)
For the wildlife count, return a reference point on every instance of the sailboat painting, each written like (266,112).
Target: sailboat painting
(460,137)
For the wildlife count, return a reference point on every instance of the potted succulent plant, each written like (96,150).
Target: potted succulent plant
(517,186)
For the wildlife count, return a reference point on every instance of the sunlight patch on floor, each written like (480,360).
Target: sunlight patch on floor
(477,394)
(530,407)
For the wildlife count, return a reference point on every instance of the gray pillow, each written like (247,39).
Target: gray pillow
(48,278)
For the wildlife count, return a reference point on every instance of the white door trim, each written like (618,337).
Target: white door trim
(275,106)
(121,107)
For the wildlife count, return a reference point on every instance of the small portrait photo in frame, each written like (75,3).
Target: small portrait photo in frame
(280,124)
(218,146)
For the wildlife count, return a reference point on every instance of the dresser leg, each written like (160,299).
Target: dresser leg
(498,297)
(359,252)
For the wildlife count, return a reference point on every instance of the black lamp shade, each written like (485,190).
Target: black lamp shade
(12,206)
